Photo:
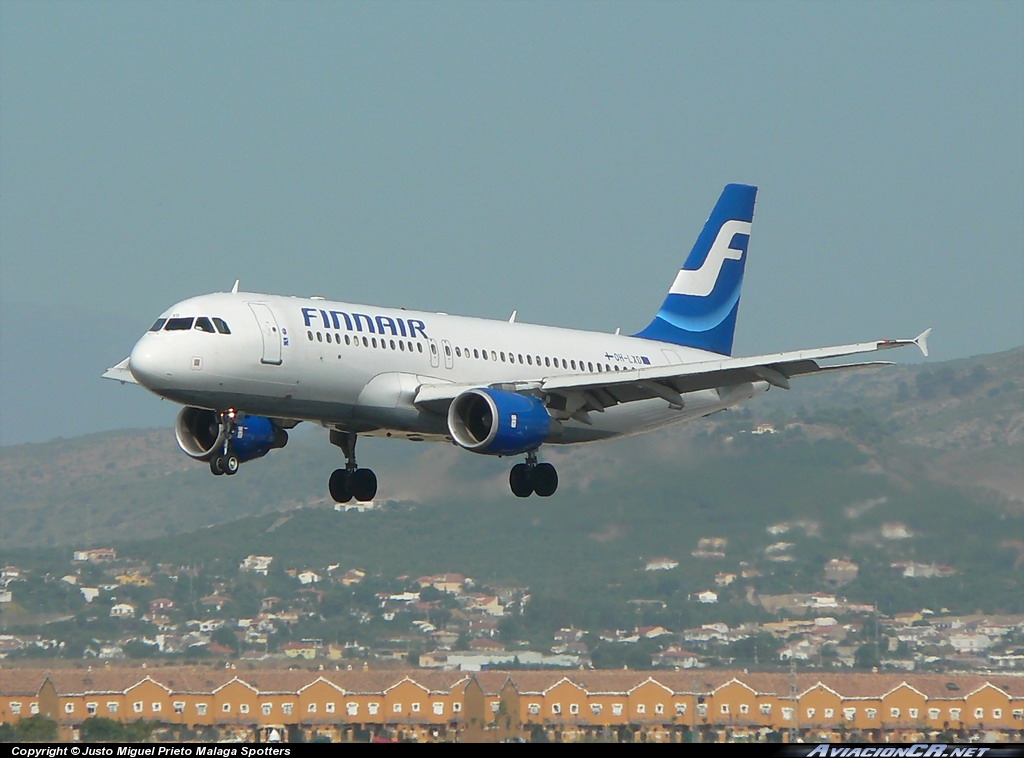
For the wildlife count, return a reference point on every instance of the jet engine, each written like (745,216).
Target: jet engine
(496,422)
(201,435)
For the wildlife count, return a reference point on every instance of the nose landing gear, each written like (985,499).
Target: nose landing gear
(531,477)
(225,462)
(351,481)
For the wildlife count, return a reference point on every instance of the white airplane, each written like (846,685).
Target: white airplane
(248,367)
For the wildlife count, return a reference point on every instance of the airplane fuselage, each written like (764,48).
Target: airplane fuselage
(358,368)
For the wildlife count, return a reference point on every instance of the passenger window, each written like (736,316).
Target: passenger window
(203,324)
(179,324)
(221,325)
(158,325)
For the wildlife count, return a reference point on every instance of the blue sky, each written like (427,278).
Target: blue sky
(557,158)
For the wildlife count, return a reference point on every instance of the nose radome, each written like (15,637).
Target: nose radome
(149,363)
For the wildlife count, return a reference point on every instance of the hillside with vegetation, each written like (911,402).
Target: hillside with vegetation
(906,465)
(959,423)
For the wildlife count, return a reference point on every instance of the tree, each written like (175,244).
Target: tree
(36,728)
(225,636)
(510,628)
(139,649)
(759,648)
(139,731)
(867,656)
(101,729)
(616,655)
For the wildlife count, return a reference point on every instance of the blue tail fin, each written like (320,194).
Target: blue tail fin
(700,309)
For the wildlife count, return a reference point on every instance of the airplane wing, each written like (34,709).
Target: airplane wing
(575,395)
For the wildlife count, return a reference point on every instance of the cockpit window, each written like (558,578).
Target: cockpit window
(179,324)
(184,323)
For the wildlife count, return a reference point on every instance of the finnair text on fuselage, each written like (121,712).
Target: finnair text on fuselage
(361,322)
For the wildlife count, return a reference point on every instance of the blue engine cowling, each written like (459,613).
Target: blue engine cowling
(201,437)
(496,422)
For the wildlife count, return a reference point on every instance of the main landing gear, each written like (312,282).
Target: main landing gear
(531,477)
(225,462)
(351,481)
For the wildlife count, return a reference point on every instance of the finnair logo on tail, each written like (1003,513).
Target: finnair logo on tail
(701,282)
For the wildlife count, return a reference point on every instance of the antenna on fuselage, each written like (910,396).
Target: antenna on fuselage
(512,318)
(234,288)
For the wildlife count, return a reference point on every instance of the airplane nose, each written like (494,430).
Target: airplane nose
(150,364)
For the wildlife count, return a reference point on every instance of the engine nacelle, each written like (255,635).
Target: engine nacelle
(202,437)
(496,422)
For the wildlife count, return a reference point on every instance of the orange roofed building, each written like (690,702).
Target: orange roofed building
(446,706)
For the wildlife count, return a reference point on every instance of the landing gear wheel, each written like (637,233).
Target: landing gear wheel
(217,465)
(351,481)
(231,464)
(339,486)
(544,479)
(364,484)
(519,480)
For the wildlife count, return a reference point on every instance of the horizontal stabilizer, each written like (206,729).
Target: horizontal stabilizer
(121,373)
